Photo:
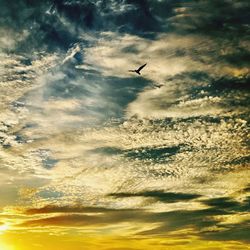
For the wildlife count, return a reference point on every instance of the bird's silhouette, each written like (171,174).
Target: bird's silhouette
(138,70)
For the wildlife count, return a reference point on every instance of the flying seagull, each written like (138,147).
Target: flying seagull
(139,69)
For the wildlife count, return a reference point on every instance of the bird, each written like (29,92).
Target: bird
(158,85)
(138,70)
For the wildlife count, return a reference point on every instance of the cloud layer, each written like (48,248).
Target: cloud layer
(90,148)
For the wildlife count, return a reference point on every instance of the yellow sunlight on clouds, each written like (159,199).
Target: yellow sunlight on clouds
(4,246)
(3,228)
(81,241)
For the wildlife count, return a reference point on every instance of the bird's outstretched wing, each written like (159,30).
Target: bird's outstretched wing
(139,69)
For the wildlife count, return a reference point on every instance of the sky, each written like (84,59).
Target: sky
(93,156)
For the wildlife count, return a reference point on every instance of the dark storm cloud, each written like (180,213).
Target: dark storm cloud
(224,87)
(205,218)
(65,220)
(234,83)
(240,161)
(43,30)
(74,216)
(108,150)
(159,154)
(232,91)
(237,232)
(180,219)
(127,16)
(211,16)
(159,195)
(240,56)
(202,220)
(82,13)
(229,205)
(223,202)
(225,22)
(169,221)
(217,84)
(247,189)
(54,25)
(70,209)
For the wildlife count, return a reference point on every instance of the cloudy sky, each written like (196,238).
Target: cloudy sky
(93,156)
